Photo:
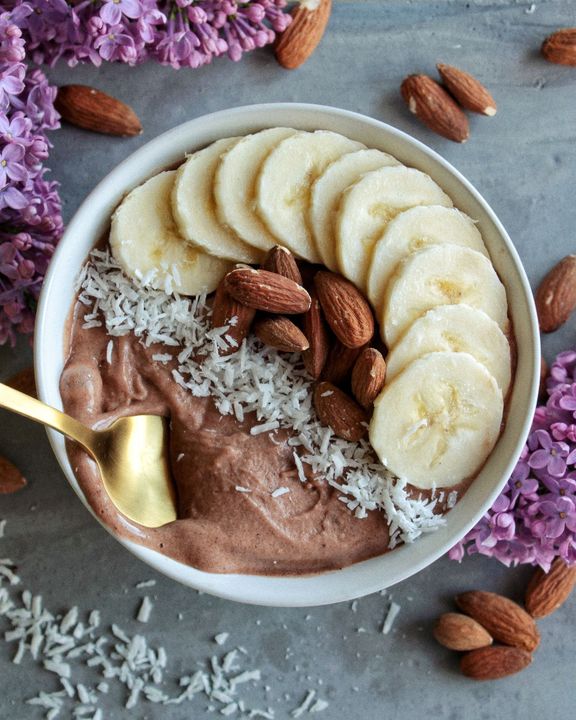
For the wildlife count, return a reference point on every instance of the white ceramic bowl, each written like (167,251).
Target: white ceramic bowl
(91,221)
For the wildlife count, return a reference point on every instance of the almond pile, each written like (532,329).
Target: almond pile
(440,106)
(487,618)
(324,317)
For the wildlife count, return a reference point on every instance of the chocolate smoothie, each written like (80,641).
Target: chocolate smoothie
(228,520)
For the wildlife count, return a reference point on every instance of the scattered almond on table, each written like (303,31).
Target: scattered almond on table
(297,43)
(560,47)
(461,632)
(504,619)
(11,479)
(91,109)
(431,104)
(494,662)
(468,91)
(556,295)
(549,591)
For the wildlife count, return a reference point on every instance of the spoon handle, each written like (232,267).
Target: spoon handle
(35,410)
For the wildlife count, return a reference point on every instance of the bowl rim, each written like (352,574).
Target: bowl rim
(279,591)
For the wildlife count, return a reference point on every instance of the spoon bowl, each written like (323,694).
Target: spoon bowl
(131,454)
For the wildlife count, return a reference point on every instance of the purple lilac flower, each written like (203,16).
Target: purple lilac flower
(550,455)
(11,83)
(30,220)
(539,500)
(553,517)
(521,483)
(112,10)
(180,33)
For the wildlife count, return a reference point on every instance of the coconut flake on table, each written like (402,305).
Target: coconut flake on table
(145,584)
(145,610)
(391,616)
(274,387)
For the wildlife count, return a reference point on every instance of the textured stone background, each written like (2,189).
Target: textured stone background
(523,162)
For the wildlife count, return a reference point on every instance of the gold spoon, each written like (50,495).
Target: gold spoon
(131,455)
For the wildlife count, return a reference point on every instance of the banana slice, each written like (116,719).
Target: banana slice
(436,423)
(145,242)
(194,207)
(283,187)
(235,184)
(369,205)
(441,275)
(455,328)
(328,188)
(414,230)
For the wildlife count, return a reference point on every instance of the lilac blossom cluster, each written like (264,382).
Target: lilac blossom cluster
(534,520)
(180,33)
(30,219)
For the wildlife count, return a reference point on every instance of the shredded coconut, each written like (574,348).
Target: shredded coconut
(305,705)
(280,491)
(145,610)
(391,615)
(145,584)
(272,386)
(109,350)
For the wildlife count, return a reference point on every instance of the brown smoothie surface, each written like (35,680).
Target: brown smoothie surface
(219,528)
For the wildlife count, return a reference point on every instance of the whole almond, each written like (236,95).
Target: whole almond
(11,479)
(495,662)
(560,47)
(368,376)
(460,632)
(267,291)
(302,36)
(279,332)
(319,344)
(280,260)
(345,308)
(94,110)
(238,317)
(340,362)
(435,108)
(336,409)
(24,381)
(468,91)
(556,295)
(504,619)
(548,591)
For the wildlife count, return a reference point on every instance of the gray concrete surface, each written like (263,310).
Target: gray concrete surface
(524,163)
